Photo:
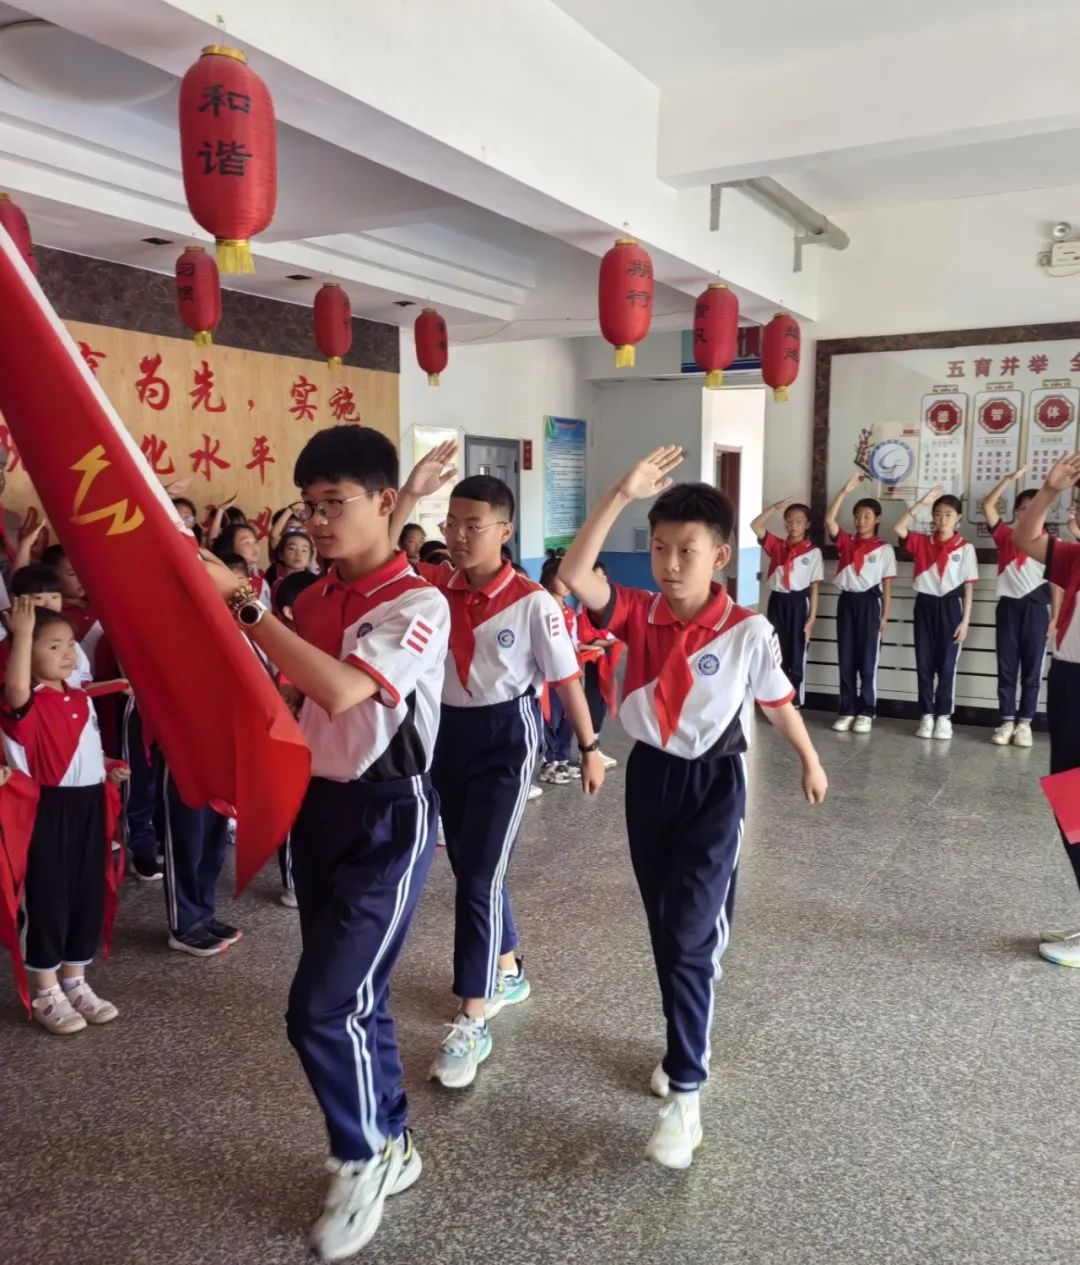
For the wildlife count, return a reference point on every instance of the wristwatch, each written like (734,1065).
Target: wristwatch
(593,746)
(249,613)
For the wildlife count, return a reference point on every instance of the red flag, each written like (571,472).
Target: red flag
(18,808)
(205,697)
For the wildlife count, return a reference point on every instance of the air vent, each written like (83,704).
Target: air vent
(158,241)
(641,539)
(298,276)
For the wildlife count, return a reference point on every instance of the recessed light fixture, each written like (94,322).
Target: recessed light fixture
(404,303)
(297,276)
(158,241)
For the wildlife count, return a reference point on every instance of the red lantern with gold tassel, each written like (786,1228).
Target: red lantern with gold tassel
(13,219)
(432,344)
(333,323)
(228,152)
(781,347)
(716,332)
(626,298)
(198,293)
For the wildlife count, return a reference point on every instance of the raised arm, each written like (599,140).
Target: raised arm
(832,518)
(990,500)
(1027,534)
(24,552)
(428,475)
(758,525)
(904,525)
(17,682)
(646,480)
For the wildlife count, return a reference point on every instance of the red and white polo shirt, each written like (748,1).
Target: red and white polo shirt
(941,566)
(1063,569)
(395,626)
(1018,575)
(793,568)
(862,562)
(690,688)
(55,738)
(505,639)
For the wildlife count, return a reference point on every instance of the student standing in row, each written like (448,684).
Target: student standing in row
(695,664)
(945,570)
(865,570)
(796,570)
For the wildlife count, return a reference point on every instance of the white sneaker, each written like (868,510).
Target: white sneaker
(863,724)
(842,724)
(926,728)
(1062,952)
(608,761)
(288,898)
(94,1009)
(659,1084)
(1022,736)
(1003,734)
(534,792)
(411,1164)
(677,1133)
(1054,936)
(943,728)
(354,1203)
(464,1048)
(56,1014)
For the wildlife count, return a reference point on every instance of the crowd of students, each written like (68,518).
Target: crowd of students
(429,679)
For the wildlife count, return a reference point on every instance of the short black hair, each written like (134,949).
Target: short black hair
(797,505)
(182,500)
(599,566)
(485,487)
(33,579)
(226,542)
(360,454)
(869,503)
(1023,497)
(434,551)
(549,572)
(231,559)
(409,527)
(291,587)
(949,501)
(44,618)
(53,556)
(695,503)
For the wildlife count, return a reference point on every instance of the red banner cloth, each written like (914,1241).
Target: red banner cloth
(203,694)
(1062,790)
(18,808)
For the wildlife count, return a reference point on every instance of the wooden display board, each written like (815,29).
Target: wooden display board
(231,420)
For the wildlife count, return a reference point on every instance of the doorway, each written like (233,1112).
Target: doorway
(498,457)
(728,475)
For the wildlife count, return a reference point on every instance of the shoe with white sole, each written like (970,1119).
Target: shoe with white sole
(1022,735)
(943,728)
(56,1014)
(608,761)
(926,728)
(464,1048)
(411,1164)
(842,724)
(1055,936)
(659,1083)
(354,1203)
(1061,952)
(678,1132)
(288,898)
(94,1009)
(511,988)
(1003,734)
(555,774)
(863,724)
(534,792)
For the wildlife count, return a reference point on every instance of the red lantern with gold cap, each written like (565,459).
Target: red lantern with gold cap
(716,332)
(228,152)
(13,219)
(626,298)
(333,323)
(432,344)
(781,347)
(198,293)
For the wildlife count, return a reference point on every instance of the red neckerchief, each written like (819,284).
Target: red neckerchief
(1007,552)
(788,553)
(942,548)
(462,637)
(674,680)
(853,550)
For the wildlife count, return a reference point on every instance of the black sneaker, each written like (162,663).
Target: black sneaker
(200,943)
(153,875)
(223,931)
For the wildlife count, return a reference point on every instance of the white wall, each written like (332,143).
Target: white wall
(502,390)
(735,419)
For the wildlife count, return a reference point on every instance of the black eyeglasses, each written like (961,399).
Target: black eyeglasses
(305,511)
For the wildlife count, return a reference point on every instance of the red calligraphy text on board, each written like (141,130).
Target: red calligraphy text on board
(203,390)
(983,366)
(260,457)
(343,405)
(1074,364)
(956,369)
(261,523)
(92,358)
(151,387)
(13,458)
(1039,363)
(207,457)
(1010,364)
(156,452)
(301,391)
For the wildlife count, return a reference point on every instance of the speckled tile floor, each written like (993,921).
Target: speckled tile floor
(892,1063)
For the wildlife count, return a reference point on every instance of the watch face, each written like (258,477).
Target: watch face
(250,614)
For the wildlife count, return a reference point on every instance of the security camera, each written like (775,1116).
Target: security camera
(1061,230)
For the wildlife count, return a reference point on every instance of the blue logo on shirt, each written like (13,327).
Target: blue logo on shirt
(708,665)
(805,561)
(364,629)
(505,638)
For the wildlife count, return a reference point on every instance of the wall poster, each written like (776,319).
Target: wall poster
(564,480)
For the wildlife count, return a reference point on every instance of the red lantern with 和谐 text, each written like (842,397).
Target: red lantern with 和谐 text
(13,219)
(432,344)
(781,346)
(228,152)
(716,332)
(626,298)
(198,293)
(333,323)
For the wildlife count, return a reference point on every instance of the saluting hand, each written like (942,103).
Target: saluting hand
(433,471)
(1065,474)
(651,475)
(21,617)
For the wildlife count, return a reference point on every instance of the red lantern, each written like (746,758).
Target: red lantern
(626,298)
(333,323)
(228,151)
(781,343)
(716,332)
(432,344)
(198,293)
(13,219)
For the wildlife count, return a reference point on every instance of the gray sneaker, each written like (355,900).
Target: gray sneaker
(464,1048)
(354,1203)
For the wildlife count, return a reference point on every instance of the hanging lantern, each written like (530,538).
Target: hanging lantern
(781,342)
(432,344)
(333,323)
(198,293)
(228,151)
(13,219)
(626,298)
(716,332)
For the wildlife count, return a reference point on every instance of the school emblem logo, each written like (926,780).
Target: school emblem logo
(804,561)
(364,629)
(505,638)
(708,665)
